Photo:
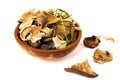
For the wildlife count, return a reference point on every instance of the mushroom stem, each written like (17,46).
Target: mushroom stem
(106,37)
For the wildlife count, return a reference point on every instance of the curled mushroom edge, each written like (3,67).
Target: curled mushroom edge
(102,56)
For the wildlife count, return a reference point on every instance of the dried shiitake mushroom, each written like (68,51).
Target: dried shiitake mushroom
(92,41)
(102,56)
(83,69)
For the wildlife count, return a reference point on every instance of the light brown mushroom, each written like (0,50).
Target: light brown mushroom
(67,23)
(36,35)
(33,33)
(51,11)
(83,68)
(24,33)
(60,28)
(102,56)
(28,15)
(26,24)
(37,16)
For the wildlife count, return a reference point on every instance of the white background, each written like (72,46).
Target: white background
(94,16)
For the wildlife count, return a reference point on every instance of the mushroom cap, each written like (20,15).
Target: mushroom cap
(83,68)
(102,56)
(91,42)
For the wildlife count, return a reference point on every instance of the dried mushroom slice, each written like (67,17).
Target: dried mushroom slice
(61,28)
(30,33)
(26,24)
(38,17)
(43,20)
(50,18)
(47,31)
(28,15)
(67,23)
(102,56)
(58,44)
(25,33)
(83,69)
(51,11)
(34,33)
(92,41)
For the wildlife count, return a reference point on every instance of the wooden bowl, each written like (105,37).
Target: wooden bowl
(47,54)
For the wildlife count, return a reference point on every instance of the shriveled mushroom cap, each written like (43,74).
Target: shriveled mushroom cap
(83,68)
(102,56)
(29,32)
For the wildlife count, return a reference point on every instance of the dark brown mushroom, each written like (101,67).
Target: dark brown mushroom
(54,31)
(43,20)
(74,36)
(35,22)
(46,46)
(35,45)
(91,42)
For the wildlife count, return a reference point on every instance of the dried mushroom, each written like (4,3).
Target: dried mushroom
(102,56)
(28,15)
(43,19)
(51,29)
(34,33)
(48,45)
(92,41)
(35,45)
(59,43)
(50,18)
(83,69)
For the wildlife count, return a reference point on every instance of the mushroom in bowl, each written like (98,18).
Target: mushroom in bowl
(47,34)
